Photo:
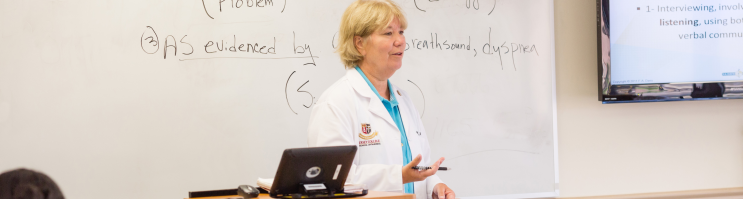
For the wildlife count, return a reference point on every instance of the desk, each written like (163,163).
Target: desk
(372,194)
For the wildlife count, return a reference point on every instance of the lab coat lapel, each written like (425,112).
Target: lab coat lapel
(411,130)
(375,106)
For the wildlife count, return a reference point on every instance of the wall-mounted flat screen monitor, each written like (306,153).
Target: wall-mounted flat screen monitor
(669,50)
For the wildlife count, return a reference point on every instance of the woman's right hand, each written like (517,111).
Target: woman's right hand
(413,175)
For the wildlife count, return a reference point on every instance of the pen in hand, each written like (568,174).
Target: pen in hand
(427,168)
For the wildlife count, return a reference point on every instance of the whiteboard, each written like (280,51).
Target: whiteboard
(152,99)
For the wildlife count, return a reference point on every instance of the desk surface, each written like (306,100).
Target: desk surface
(372,194)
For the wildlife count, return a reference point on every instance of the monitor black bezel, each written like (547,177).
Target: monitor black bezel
(631,97)
(291,173)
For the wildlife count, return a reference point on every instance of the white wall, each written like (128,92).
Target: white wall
(634,148)
(83,100)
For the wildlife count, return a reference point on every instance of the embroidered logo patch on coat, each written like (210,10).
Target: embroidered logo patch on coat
(366,136)
(366,132)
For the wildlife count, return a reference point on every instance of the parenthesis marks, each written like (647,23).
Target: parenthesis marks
(282,10)
(424,98)
(207,12)
(416,5)
(286,93)
(286,88)
(495,2)
(332,41)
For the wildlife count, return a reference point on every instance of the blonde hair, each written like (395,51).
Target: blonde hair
(362,18)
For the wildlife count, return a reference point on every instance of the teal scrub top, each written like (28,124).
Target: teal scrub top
(392,107)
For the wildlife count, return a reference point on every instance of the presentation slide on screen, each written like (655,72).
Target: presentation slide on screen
(675,41)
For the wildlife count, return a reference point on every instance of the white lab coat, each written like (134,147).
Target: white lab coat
(337,119)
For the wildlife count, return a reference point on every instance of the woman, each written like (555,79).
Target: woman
(364,109)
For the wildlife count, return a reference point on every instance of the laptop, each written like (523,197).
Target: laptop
(316,172)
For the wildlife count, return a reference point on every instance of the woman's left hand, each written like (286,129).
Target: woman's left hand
(441,191)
